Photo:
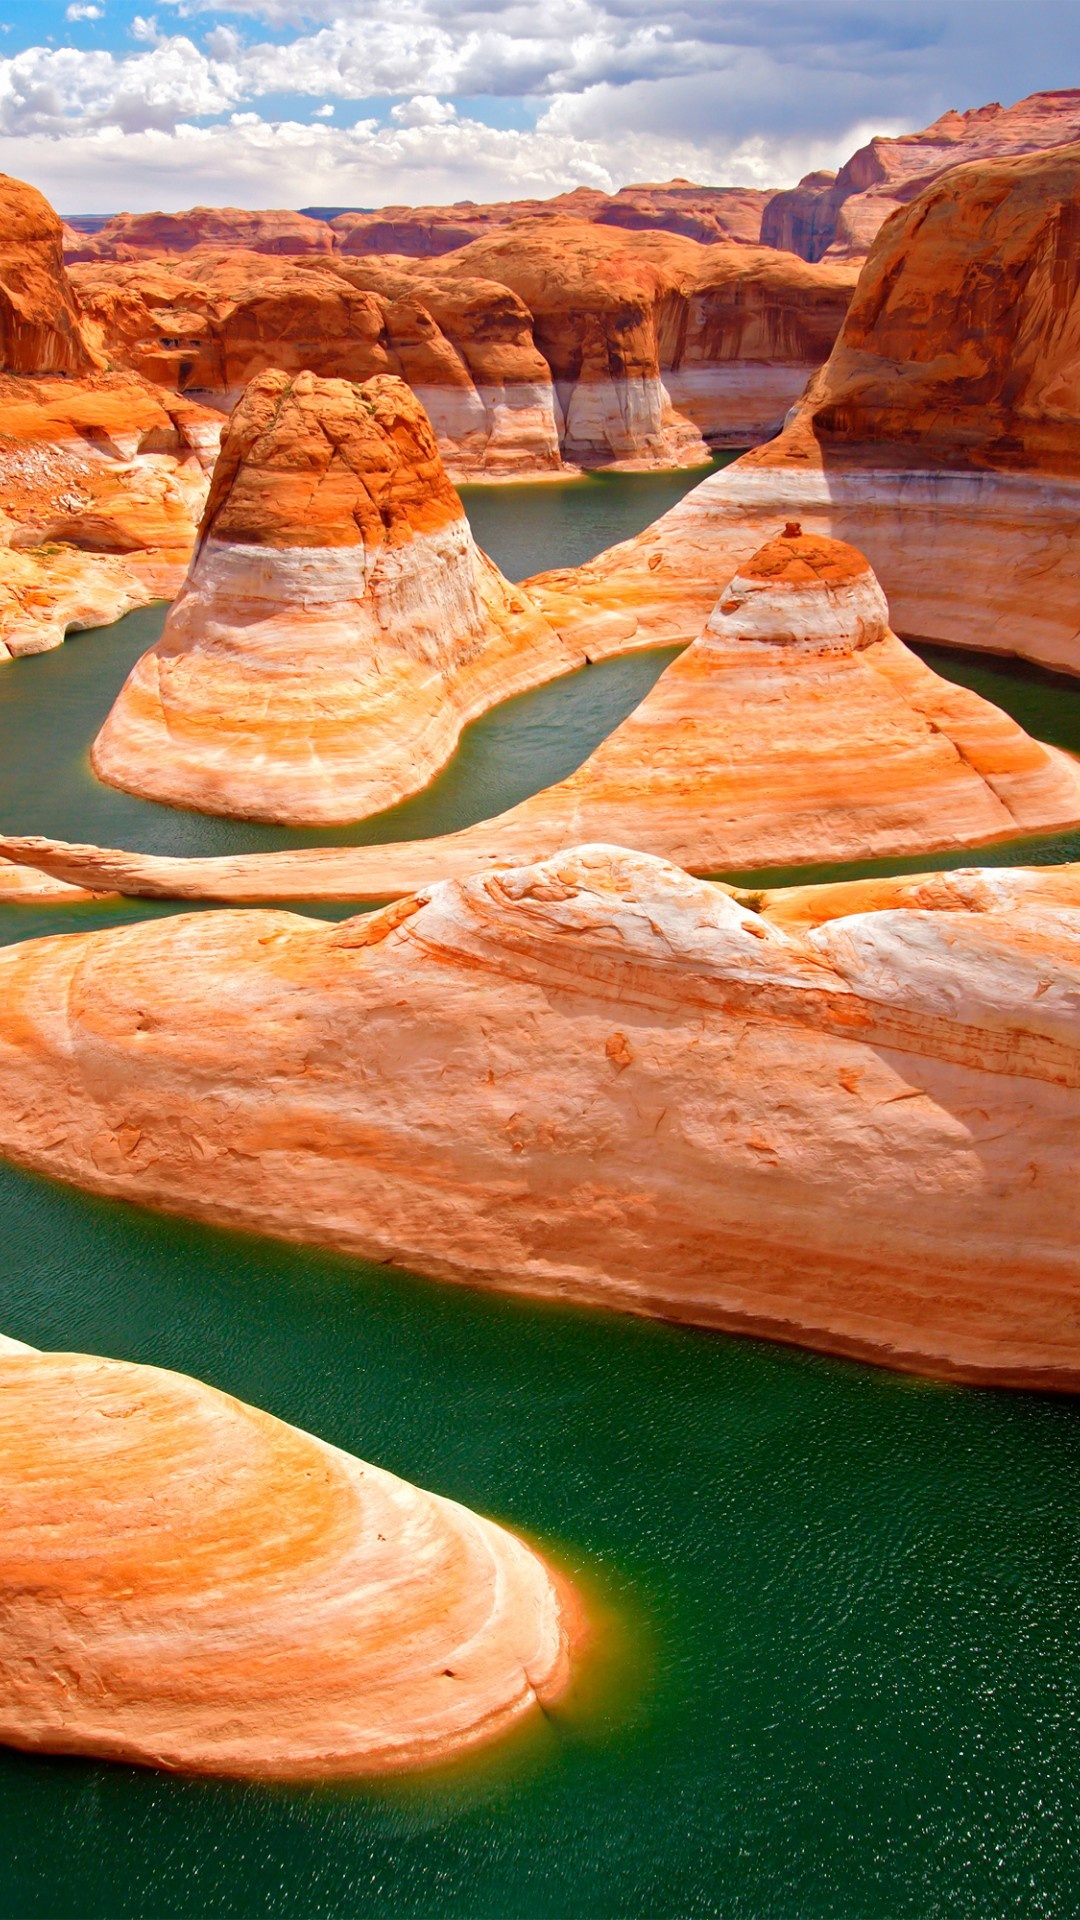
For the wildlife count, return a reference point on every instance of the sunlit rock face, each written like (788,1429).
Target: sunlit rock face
(551,344)
(837,216)
(798,728)
(338,626)
(597,1079)
(658,347)
(706,214)
(941,438)
(102,477)
(188,1583)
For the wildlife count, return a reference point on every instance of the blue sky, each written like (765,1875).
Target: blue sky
(364,102)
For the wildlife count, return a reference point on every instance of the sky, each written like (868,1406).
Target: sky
(364,103)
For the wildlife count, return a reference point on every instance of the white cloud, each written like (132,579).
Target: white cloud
(749,92)
(423,110)
(84,12)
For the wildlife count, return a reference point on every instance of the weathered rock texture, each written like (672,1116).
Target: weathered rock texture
(188,1583)
(102,478)
(551,344)
(941,438)
(797,729)
(338,626)
(40,328)
(838,215)
(599,1079)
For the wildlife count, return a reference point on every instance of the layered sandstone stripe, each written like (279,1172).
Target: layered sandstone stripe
(338,627)
(941,437)
(186,1582)
(102,477)
(600,1080)
(796,729)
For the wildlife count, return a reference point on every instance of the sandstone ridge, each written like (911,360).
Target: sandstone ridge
(798,728)
(192,1584)
(598,1079)
(338,625)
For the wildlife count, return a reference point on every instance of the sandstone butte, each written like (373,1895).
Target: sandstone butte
(942,437)
(102,476)
(598,1079)
(188,1583)
(837,215)
(129,236)
(552,343)
(338,626)
(798,728)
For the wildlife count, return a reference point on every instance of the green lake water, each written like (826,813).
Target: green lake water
(844,1607)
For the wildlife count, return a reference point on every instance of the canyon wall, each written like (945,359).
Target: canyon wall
(836,216)
(940,438)
(191,1584)
(102,475)
(338,627)
(550,345)
(600,1080)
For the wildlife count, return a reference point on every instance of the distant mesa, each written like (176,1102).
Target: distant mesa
(192,1584)
(339,625)
(590,1078)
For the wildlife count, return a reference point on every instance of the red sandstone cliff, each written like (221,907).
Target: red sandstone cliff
(839,214)
(102,475)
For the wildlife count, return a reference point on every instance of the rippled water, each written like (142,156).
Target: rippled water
(843,1605)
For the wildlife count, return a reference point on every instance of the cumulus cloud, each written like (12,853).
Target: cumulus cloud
(81,12)
(750,92)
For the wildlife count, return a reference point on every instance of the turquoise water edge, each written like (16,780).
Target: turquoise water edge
(843,1606)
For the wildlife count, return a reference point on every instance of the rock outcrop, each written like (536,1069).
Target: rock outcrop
(102,477)
(797,729)
(40,330)
(837,216)
(601,1080)
(941,438)
(186,1582)
(338,626)
(551,344)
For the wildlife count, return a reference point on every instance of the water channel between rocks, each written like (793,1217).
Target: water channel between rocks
(846,1671)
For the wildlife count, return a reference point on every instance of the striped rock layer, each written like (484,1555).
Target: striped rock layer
(338,626)
(189,1583)
(598,1079)
(796,729)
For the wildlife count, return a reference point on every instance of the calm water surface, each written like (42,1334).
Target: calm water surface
(847,1647)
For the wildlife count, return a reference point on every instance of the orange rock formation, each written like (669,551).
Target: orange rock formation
(338,626)
(553,342)
(189,1583)
(836,216)
(103,477)
(941,437)
(599,1079)
(798,728)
